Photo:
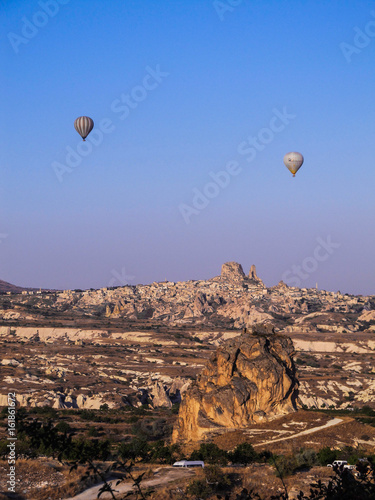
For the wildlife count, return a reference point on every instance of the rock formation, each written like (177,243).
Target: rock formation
(253,274)
(249,379)
(159,396)
(232,271)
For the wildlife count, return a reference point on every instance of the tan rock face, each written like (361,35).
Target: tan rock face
(232,271)
(253,274)
(248,379)
(159,396)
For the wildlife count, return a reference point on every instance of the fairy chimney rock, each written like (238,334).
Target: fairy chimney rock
(253,274)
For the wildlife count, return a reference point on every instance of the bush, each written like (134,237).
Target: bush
(152,428)
(199,489)
(285,466)
(84,450)
(137,449)
(345,486)
(63,427)
(214,482)
(214,476)
(159,452)
(244,454)
(88,415)
(288,465)
(327,456)
(367,410)
(305,459)
(210,453)
(93,431)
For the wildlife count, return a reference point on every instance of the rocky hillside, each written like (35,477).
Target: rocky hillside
(231,300)
(8,287)
(248,379)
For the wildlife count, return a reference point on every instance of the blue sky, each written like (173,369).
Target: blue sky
(220,73)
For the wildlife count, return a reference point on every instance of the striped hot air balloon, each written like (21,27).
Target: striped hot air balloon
(83,126)
(293,162)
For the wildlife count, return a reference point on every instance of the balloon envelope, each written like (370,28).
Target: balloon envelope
(83,126)
(293,162)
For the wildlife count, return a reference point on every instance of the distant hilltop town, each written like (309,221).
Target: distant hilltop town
(231,300)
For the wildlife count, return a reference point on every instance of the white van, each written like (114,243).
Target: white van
(187,463)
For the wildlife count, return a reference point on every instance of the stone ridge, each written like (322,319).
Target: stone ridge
(248,379)
(229,301)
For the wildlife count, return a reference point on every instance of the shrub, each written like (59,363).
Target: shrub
(285,466)
(367,410)
(244,454)
(88,415)
(327,456)
(84,450)
(63,427)
(137,449)
(305,459)
(159,452)
(93,431)
(214,476)
(344,486)
(210,453)
(199,489)
(214,481)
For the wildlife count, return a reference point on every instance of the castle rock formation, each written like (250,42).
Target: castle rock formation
(248,379)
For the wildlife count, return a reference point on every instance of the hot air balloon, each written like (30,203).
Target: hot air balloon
(83,126)
(293,162)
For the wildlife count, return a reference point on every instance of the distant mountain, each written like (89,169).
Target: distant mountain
(8,287)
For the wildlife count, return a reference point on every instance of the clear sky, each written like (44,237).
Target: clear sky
(179,91)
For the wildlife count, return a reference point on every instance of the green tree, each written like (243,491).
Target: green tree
(159,452)
(63,427)
(210,453)
(244,454)
(137,449)
(327,456)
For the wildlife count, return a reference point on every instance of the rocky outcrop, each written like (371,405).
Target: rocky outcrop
(232,271)
(199,308)
(249,379)
(253,274)
(159,396)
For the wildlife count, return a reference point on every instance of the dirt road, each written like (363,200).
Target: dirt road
(162,476)
(335,421)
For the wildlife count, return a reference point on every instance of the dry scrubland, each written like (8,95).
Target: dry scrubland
(115,363)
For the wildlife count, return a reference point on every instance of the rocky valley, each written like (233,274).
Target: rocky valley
(146,343)
(225,360)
